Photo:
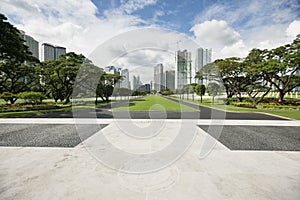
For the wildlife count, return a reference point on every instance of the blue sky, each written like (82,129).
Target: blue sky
(181,15)
(229,27)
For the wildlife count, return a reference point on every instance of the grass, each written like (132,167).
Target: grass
(289,113)
(21,111)
(155,103)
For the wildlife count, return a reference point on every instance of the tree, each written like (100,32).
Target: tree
(232,72)
(229,71)
(106,85)
(59,75)
(281,67)
(7,96)
(213,90)
(16,78)
(200,90)
(12,47)
(257,87)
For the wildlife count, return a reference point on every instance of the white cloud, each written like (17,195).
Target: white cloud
(70,23)
(130,6)
(293,29)
(238,49)
(215,33)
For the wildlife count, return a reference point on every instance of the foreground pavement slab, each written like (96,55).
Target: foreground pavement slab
(75,173)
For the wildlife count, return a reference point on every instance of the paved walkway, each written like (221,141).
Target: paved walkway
(219,173)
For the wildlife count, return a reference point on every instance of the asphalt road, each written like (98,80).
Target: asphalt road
(201,113)
(264,138)
(45,135)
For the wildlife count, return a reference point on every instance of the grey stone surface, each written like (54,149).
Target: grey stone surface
(45,135)
(269,138)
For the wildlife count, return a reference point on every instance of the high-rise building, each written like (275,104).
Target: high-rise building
(112,70)
(59,51)
(159,83)
(170,80)
(136,82)
(125,82)
(51,52)
(32,44)
(47,52)
(203,57)
(183,69)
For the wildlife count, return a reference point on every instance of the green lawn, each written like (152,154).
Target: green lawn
(289,113)
(155,103)
(33,112)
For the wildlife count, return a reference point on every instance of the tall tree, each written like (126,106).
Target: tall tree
(213,90)
(106,86)
(12,46)
(257,86)
(59,75)
(229,71)
(232,73)
(281,68)
(200,90)
(16,78)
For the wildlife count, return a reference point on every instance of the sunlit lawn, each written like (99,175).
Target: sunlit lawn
(289,113)
(155,103)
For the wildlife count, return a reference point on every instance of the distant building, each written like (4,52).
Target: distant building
(202,57)
(51,52)
(136,82)
(59,51)
(125,83)
(159,77)
(47,52)
(183,69)
(147,87)
(32,44)
(170,79)
(112,70)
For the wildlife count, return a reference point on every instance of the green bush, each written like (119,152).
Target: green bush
(32,97)
(7,96)
(166,92)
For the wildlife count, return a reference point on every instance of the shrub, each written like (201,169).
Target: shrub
(7,96)
(166,92)
(32,97)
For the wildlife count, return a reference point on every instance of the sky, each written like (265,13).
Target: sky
(138,34)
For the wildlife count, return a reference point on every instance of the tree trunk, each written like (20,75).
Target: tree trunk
(12,100)
(201,98)
(281,96)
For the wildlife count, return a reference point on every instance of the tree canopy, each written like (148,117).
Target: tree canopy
(12,46)
(258,73)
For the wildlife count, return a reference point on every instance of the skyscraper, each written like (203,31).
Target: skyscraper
(59,51)
(136,83)
(159,83)
(183,68)
(32,44)
(125,82)
(51,52)
(170,79)
(47,52)
(203,57)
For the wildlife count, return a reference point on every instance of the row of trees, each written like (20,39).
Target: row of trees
(257,74)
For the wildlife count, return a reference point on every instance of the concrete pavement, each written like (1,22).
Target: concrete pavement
(74,173)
